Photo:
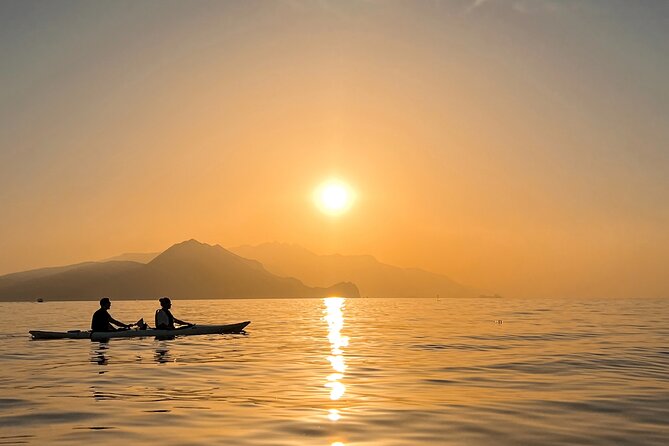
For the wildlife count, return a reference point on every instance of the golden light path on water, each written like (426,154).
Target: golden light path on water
(334,316)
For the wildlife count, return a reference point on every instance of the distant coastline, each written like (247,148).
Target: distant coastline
(193,270)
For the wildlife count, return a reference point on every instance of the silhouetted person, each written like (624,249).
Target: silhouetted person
(164,318)
(102,320)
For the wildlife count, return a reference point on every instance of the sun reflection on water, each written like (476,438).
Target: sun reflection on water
(334,415)
(334,316)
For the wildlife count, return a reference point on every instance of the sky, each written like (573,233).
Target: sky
(519,146)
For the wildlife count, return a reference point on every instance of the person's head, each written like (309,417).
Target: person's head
(165,302)
(105,303)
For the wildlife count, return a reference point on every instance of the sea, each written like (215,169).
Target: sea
(344,372)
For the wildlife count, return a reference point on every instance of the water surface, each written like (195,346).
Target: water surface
(344,372)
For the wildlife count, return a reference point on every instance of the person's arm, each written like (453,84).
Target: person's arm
(117,323)
(182,322)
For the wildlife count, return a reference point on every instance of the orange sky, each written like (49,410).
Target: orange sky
(515,146)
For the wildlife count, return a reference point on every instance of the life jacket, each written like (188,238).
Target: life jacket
(164,319)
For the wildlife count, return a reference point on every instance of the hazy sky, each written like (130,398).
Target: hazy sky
(516,145)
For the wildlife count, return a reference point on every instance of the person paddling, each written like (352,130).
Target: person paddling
(102,320)
(164,318)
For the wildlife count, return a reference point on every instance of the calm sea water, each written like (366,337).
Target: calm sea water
(344,372)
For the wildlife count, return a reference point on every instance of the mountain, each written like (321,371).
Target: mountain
(373,278)
(140,257)
(73,282)
(38,273)
(187,270)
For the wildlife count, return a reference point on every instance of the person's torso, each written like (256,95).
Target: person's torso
(164,318)
(100,320)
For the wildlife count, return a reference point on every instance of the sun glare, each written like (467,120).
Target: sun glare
(334,197)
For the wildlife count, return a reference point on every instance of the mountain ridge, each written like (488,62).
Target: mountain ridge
(373,278)
(186,270)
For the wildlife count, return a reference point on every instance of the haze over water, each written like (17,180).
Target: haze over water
(345,372)
(486,140)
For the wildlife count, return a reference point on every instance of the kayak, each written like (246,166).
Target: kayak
(185,331)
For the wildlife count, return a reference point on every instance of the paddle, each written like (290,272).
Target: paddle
(140,324)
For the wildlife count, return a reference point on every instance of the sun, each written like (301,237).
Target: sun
(334,197)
